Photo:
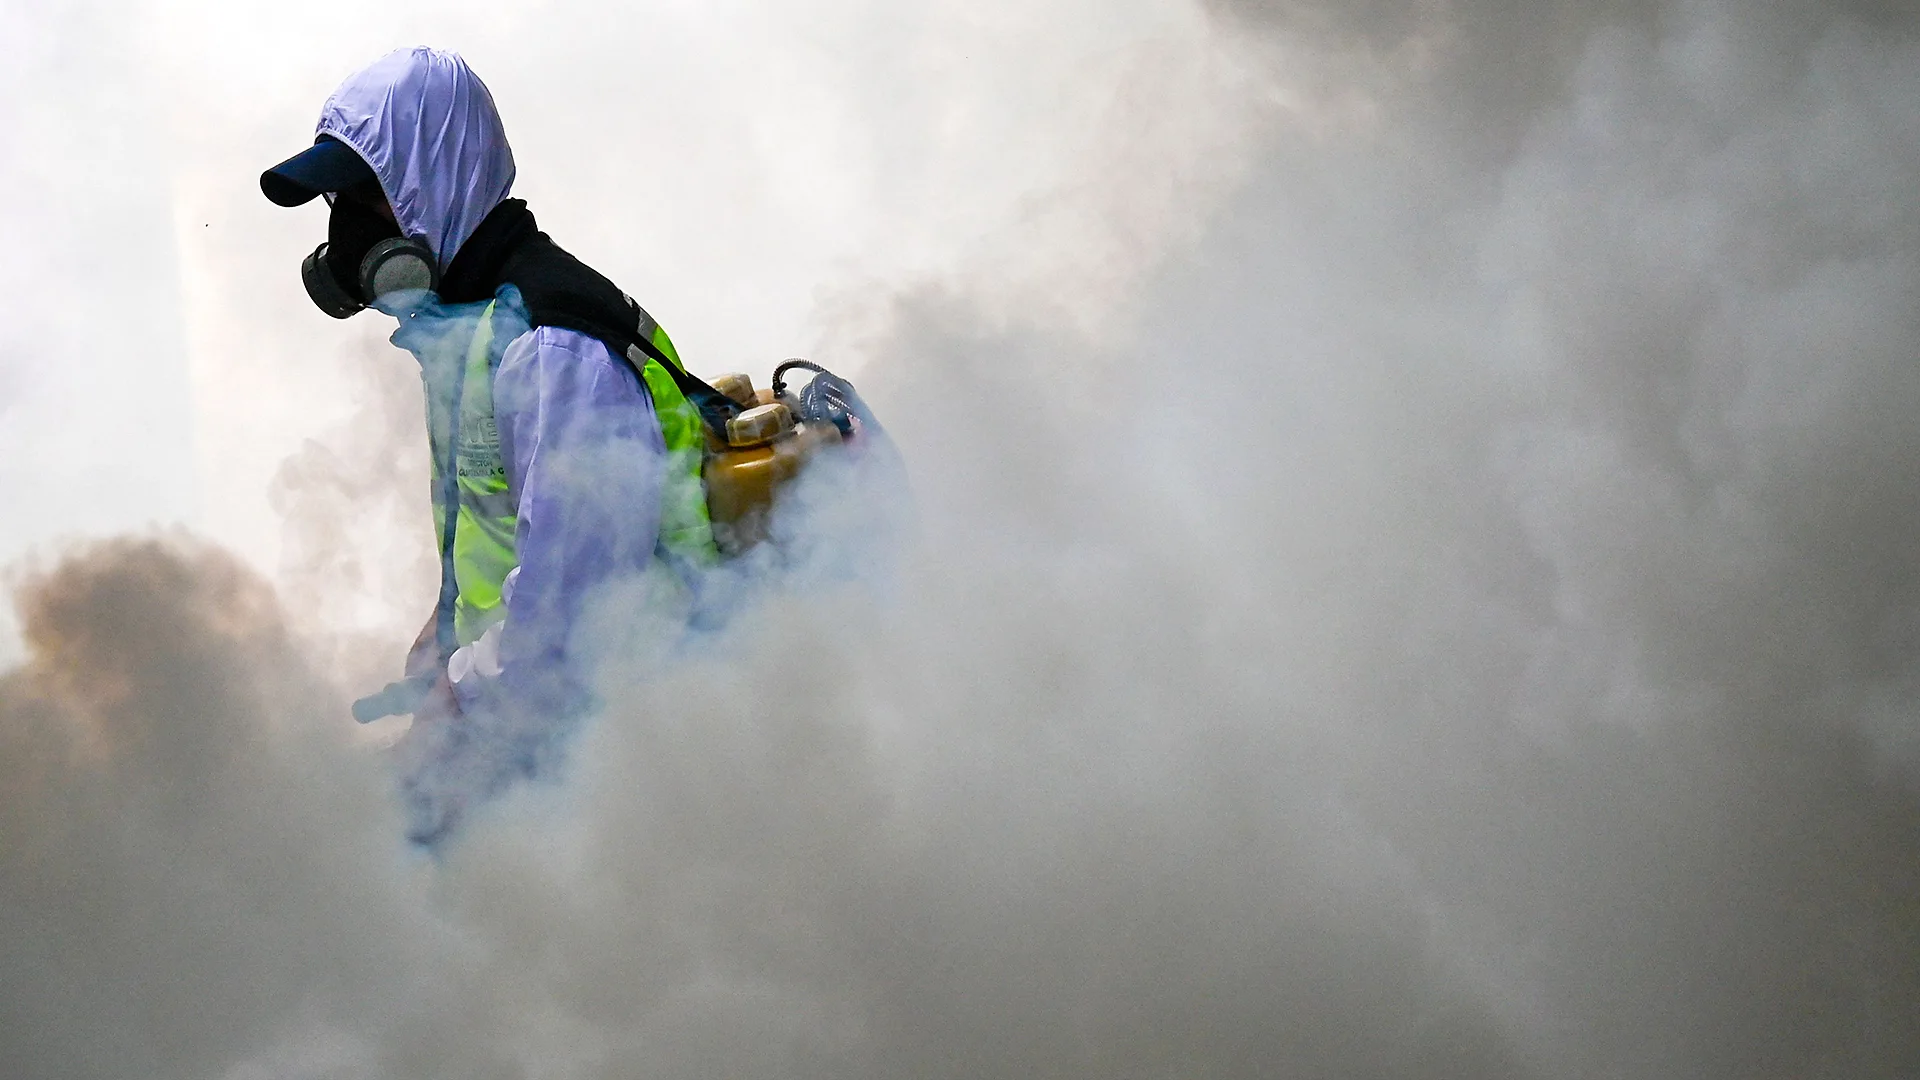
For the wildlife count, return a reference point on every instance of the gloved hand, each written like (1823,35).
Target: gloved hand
(423,656)
(436,716)
(411,693)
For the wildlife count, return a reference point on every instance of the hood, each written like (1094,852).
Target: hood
(427,125)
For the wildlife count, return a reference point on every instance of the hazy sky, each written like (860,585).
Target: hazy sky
(762,175)
(1415,567)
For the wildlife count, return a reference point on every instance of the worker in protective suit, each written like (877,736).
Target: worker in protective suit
(566,452)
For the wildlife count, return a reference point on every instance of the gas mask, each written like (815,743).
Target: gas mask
(364,258)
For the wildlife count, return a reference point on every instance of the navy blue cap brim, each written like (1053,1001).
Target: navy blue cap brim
(327,165)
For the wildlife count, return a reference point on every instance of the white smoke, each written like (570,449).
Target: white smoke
(1445,610)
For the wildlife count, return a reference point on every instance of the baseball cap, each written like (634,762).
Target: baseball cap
(327,165)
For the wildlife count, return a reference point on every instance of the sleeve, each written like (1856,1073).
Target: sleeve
(585,465)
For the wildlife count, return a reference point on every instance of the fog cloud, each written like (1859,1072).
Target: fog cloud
(1442,608)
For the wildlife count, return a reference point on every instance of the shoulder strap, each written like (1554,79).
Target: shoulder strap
(560,290)
(715,407)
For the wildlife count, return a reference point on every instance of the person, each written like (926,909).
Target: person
(565,436)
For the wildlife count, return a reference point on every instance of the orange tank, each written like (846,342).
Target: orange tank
(765,450)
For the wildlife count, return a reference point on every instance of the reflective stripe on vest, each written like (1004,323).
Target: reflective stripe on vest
(482,531)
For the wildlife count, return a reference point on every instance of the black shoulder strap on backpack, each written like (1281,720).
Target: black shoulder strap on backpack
(715,407)
(560,290)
